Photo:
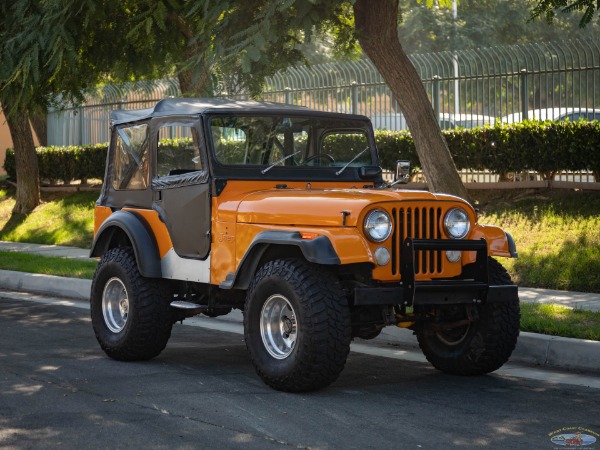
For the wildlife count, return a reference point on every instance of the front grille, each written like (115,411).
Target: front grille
(418,223)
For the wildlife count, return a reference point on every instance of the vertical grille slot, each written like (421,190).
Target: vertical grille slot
(418,223)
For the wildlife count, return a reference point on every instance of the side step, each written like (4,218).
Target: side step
(189,306)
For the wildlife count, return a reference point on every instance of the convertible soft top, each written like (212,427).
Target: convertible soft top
(191,106)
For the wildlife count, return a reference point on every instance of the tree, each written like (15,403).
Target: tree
(548,9)
(373,25)
(424,29)
(376,27)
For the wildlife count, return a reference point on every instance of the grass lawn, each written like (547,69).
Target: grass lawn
(47,265)
(557,236)
(558,320)
(60,220)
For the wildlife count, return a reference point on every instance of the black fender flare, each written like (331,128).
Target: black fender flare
(318,250)
(140,235)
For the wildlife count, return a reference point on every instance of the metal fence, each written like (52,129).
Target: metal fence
(467,88)
(89,123)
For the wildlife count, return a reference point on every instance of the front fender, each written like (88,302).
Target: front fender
(318,250)
(137,231)
(499,242)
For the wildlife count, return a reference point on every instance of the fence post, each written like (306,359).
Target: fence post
(524,96)
(354,92)
(288,95)
(436,97)
(81,125)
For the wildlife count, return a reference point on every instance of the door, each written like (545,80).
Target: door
(180,186)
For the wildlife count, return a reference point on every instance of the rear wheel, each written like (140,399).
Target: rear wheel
(296,326)
(131,314)
(479,346)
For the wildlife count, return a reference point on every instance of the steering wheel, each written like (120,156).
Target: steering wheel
(320,155)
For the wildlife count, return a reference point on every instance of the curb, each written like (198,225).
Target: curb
(46,284)
(532,348)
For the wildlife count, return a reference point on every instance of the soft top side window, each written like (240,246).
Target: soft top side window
(178,150)
(131,163)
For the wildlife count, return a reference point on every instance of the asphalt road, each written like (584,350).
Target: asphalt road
(58,390)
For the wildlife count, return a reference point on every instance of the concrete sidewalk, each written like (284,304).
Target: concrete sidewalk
(532,348)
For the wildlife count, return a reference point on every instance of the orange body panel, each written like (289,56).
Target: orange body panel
(158,228)
(222,256)
(496,241)
(246,208)
(101,213)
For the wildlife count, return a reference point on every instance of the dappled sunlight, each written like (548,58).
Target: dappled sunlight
(575,265)
(63,221)
(23,389)
(496,433)
(242,438)
(48,368)
(44,320)
(10,435)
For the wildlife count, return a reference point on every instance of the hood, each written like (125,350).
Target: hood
(318,207)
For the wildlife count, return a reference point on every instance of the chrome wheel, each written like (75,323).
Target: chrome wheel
(115,305)
(278,326)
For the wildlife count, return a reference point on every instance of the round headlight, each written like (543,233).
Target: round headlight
(378,225)
(456,223)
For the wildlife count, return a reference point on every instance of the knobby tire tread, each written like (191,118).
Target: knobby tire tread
(326,333)
(493,341)
(149,328)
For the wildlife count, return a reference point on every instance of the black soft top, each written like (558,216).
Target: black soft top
(192,106)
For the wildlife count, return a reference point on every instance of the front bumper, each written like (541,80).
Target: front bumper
(411,292)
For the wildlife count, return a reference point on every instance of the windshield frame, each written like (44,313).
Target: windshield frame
(278,172)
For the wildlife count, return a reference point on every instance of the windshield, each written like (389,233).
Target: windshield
(269,142)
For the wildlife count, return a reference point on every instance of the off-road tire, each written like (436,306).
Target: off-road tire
(323,324)
(488,341)
(149,321)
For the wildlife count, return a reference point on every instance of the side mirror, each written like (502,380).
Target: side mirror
(402,175)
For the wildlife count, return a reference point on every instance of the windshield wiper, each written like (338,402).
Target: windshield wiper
(279,161)
(352,160)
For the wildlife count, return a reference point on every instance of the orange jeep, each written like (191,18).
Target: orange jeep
(282,212)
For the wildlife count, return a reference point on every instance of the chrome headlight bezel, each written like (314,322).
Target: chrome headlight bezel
(457,223)
(378,225)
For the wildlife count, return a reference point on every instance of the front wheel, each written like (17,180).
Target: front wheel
(478,346)
(131,314)
(296,326)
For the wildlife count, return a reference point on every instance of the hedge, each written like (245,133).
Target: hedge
(543,147)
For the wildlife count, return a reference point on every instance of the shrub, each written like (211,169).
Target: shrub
(543,147)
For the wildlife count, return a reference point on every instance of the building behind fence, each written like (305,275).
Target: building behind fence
(467,89)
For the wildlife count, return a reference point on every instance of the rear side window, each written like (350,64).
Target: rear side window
(131,165)
(178,150)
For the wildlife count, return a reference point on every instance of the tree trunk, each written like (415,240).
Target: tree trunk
(28,185)
(193,81)
(39,122)
(376,25)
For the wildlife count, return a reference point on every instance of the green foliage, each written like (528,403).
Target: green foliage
(558,320)
(65,163)
(557,236)
(68,220)
(543,147)
(47,265)
(424,29)
(548,9)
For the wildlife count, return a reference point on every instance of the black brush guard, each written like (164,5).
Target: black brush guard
(411,292)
